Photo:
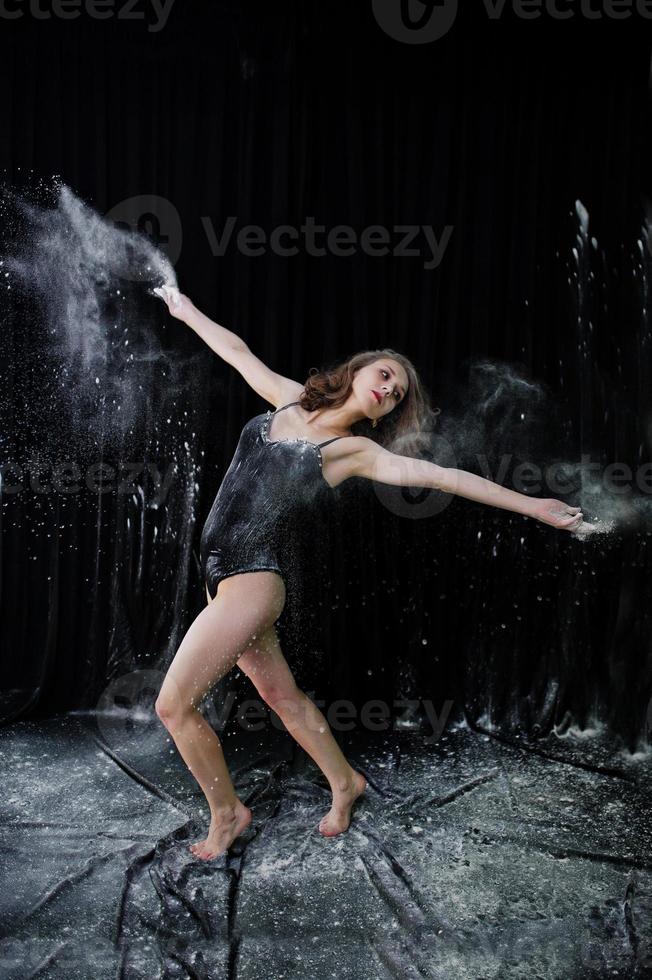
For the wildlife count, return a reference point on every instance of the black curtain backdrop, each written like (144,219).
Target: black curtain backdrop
(272,112)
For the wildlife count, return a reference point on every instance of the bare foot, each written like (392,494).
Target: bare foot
(224,828)
(338,818)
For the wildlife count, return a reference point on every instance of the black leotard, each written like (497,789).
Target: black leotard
(266,488)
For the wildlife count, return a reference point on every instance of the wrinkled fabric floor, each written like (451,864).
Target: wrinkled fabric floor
(472,857)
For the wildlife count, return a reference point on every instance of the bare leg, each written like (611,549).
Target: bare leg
(267,668)
(245,606)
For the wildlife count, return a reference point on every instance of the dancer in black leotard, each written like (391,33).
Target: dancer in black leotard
(268,487)
(374,399)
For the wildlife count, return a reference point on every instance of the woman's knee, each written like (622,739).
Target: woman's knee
(172,707)
(279,694)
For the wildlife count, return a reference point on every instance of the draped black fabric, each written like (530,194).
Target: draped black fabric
(277,113)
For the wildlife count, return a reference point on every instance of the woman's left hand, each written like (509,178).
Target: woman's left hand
(558,514)
(178,304)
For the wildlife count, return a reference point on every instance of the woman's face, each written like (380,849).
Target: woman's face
(380,386)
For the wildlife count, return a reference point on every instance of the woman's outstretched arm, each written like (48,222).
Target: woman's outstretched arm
(273,387)
(370,460)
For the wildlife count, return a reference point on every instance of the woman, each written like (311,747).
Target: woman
(278,470)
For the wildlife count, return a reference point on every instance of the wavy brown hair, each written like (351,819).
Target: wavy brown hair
(405,429)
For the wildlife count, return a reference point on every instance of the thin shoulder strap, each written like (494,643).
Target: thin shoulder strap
(318,444)
(334,439)
(285,406)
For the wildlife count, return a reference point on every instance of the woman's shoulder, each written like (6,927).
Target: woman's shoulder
(354,443)
(288,391)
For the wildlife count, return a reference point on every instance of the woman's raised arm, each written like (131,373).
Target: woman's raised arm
(273,387)
(370,460)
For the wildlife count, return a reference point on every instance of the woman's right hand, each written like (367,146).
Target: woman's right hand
(558,514)
(178,304)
